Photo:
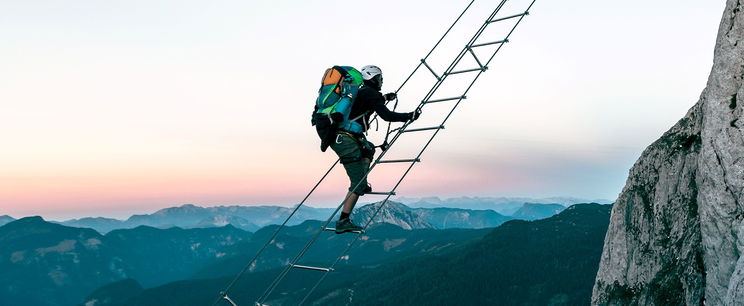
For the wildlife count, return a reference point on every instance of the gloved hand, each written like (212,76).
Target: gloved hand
(415,114)
(384,146)
(390,96)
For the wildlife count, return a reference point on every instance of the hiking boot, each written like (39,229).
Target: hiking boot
(345,226)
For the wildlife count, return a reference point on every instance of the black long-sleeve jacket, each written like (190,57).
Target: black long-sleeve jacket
(369,100)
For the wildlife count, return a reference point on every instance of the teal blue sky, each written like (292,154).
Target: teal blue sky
(124,106)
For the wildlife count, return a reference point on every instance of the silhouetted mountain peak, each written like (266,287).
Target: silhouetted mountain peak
(180,210)
(31,220)
(32,224)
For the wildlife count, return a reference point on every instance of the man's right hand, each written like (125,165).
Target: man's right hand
(390,96)
(415,114)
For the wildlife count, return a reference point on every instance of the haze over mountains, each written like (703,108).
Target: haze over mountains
(462,212)
(249,218)
(503,205)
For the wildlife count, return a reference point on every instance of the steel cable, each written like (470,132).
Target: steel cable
(224,293)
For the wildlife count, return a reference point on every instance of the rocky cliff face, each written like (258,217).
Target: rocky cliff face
(677,229)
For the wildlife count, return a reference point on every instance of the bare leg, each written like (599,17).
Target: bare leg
(351,200)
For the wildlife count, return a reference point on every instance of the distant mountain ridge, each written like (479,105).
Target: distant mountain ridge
(50,264)
(252,218)
(534,211)
(547,262)
(6,219)
(503,205)
(249,218)
(551,261)
(393,213)
(435,218)
(44,263)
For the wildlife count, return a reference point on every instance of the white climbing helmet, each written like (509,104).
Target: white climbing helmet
(370,71)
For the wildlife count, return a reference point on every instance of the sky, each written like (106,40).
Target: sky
(109,108)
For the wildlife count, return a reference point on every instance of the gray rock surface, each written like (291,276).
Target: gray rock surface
(676,233)
(393,213)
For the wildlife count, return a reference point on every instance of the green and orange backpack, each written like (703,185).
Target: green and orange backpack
(336,95)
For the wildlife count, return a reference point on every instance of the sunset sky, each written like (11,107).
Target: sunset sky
(109,108)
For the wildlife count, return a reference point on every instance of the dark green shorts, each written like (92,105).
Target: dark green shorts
(355,155)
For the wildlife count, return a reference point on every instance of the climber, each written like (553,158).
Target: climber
(353,149)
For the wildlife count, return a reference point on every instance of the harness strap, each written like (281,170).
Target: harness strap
(355,137)
(348,160)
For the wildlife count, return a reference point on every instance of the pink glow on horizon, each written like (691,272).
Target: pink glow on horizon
(133,117)
(131,192)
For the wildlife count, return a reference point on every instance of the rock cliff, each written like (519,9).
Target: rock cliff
(676,233)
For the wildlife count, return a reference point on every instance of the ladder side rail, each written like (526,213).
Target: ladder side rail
(462,53)
(286,270)
(245,268)
(350,244)
(275,283)
(526,12)
(401,131)
(435,46)
(297,257)
(315,236)
(423,62)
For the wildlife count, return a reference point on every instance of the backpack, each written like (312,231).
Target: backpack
(336,95)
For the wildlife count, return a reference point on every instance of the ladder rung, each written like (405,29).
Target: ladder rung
(424,129)
(475,57)
(330,229)
(445,99)
(432,70)
(312,268)
(490,43)
(381,193)
(415,160)
(469,70)
(229,300)
(509,17)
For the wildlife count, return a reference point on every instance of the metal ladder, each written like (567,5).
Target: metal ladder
(440,79)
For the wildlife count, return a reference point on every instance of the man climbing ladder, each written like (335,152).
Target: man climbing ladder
(332,118)
(355,152)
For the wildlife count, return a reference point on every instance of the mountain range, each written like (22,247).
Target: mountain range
(504,205)
(438,218)
(43,263)
(551,261)
(249,218)
(252,218)
(59,264)
(62,264)
(533,211)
